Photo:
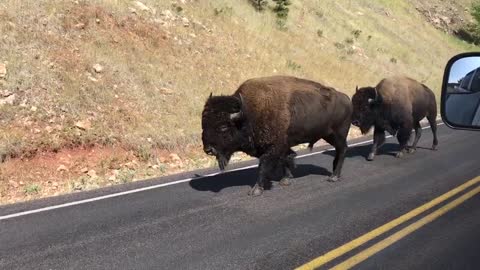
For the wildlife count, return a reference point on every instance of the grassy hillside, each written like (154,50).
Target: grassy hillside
(127,79)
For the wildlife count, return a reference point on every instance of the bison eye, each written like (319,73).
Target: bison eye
(223,128)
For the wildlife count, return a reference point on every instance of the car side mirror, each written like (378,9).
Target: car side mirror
(460,100)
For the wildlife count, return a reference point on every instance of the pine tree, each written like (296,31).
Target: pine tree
(259,5)
(281,8)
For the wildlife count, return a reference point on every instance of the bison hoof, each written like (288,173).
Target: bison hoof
(399,154)
(371,156)
(411,150)
(333,178)
(256,191)
(285,182)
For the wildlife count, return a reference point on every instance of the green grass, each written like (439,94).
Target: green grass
(126,175)
(32,189)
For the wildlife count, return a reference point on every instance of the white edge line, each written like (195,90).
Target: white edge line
(113,195)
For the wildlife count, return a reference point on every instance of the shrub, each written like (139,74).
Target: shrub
(281,24)
(143,152)
(126,175)
(293,66)
(32,189)
(319,14)
(356,33)
(339,45)
(225,11)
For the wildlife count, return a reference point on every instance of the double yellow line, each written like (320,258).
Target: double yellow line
(364,254)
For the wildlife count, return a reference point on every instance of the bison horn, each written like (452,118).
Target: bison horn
(211,95)
(356,88)
(235,116)
(240,99)
(378,97)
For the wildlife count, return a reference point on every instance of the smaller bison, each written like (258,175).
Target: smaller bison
(265,117)
(396,105)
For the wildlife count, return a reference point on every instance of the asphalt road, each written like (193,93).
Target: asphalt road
(211,223)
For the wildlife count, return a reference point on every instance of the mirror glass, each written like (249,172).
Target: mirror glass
(462,96)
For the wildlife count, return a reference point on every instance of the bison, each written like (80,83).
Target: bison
(396,104)
(266,116)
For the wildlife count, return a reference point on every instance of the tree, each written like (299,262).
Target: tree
(471,31)
(281,8)
(259,5)
(476,11)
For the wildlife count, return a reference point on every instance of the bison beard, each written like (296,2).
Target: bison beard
(223,161)
(265,117)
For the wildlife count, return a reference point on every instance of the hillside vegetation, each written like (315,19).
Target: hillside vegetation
(103,92)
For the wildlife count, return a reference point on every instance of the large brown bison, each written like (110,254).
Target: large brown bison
(265,117)
(396,104)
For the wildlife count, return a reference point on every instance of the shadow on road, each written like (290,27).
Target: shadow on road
(247,177)
(363,150)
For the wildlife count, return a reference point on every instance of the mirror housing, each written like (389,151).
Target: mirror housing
(460,99)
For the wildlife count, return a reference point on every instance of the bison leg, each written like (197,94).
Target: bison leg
(340,144)
(378,141)
(403,136)
(289,167)
(268,165)
(433,125)
(418,134)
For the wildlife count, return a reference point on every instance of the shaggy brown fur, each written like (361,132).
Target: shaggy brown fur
(277,113)
(397,105)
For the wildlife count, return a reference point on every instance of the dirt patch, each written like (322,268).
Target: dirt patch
(50,174)
(448,16)
(92,19)
(72,170)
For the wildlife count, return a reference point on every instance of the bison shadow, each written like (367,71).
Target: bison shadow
(363,150)
(248,177)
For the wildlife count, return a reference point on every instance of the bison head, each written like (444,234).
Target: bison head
(366,103)
(223,127)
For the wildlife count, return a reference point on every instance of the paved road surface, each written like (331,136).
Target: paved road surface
(211,223)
